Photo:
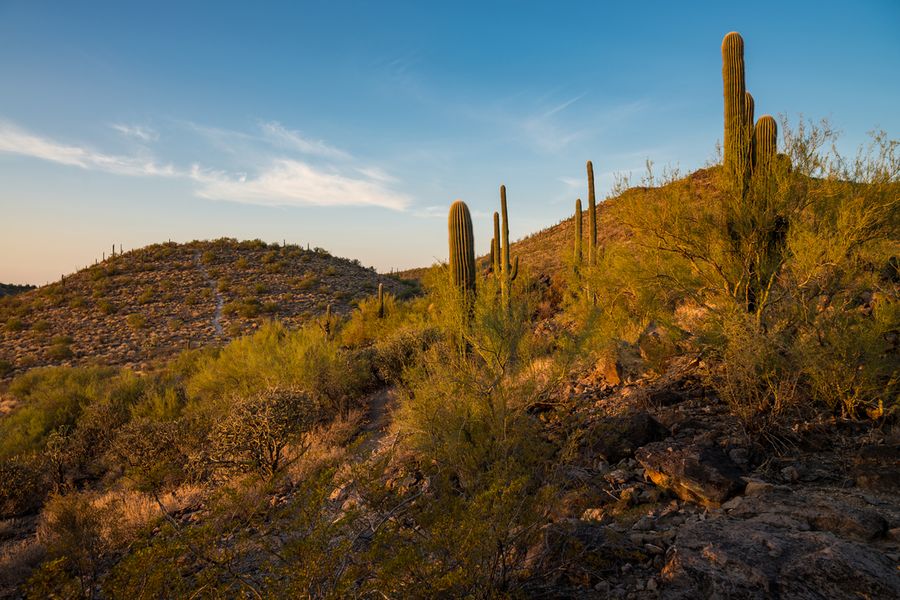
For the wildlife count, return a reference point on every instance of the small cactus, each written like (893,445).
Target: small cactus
(493,257)
(462,247)
(765,141)
(326,322)
(578,233)
(380,300)
(496,258)
(592,216)
(735,94)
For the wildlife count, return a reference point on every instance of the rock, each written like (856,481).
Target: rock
(593,514)
(740,456)
(727,558)
(877,467)
(616,438)
(618,477)
(576,551)
(756,487)
(655,344)
(702,474)
(790,473)
(813,511)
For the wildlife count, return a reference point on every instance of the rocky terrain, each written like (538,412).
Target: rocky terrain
(148,303)
(691,504)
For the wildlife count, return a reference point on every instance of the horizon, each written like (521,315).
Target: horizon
(135,125)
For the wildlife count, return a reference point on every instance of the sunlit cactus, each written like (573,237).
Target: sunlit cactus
(496,258)
(592,216)
(380,300)
(462,247)
(509,271)
(578,233)
(735,93)
(749,106)
(765,141)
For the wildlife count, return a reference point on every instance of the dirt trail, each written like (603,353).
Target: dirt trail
(377,421)
(220,302)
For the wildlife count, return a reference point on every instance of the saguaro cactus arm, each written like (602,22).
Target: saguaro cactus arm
(765,143)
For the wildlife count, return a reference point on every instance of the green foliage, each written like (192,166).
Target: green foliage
(60,351)
(55,397)
(304,360)
(14,324)
(136,320)
(22,485)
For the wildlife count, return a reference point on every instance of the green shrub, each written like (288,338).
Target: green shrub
(147,296)
(22,487)
(52,398)
(136,321)
(60,352)
(14,324)
(41,326)
(303,360)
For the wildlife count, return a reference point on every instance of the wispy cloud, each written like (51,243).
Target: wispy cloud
(291,182)
(143,133)
(14,140)
(274,181)
(294,140)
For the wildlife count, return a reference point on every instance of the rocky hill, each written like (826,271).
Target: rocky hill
(144,304)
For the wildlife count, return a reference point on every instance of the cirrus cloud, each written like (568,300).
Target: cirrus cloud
(276,181)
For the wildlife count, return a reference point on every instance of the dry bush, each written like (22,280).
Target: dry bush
(256,434)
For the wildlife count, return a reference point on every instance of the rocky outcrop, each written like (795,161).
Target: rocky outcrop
(702,474)
(782,545)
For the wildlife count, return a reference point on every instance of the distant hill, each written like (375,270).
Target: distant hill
(150,302)
(11,289)
(548,251)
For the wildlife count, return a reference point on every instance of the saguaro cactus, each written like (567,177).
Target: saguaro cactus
(380,300)
(578,233)
(508,271)
(592,216)
(735,93)
(462,247)
(496,259)
(765,141)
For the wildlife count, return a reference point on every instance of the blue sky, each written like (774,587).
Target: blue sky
(354,125)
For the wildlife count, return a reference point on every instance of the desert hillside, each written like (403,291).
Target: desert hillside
(150,302)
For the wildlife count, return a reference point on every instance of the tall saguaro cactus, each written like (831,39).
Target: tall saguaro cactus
(508,271)
(735,93)
(496,259)
(578,233)
(765,141)
(462,247)
(592,216)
